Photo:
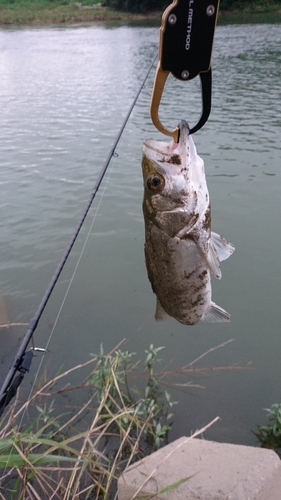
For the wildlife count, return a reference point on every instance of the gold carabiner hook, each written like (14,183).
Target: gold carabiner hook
(158,87)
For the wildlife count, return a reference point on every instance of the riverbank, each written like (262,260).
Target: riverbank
(75,12)
(42,13)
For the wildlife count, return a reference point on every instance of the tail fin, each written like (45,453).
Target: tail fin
(216,315)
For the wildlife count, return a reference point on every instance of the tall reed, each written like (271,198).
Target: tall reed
(51,449)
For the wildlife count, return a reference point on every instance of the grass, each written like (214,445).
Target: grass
(260,11)
(40,12)
(52,450)
(269,434)
(75,454)
(62,11)
(253,6)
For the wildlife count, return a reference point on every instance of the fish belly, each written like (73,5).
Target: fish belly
(178,275)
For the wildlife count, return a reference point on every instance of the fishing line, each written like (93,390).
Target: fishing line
(68,288)
(21,361)
(63,301)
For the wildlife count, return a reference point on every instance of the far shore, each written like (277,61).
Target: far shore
(34,14)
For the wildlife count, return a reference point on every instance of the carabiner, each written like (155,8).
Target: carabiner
(185,49)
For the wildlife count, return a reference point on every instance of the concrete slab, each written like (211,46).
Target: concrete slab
(219,472)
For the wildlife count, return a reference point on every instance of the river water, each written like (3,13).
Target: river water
(64,92)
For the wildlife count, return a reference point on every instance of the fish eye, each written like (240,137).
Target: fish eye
(155,182)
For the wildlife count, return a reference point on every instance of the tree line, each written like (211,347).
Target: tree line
(137,5)
(151,5)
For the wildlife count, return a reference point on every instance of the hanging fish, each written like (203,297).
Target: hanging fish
(180,249)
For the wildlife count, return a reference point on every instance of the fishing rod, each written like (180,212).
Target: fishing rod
(22,361)
(185,48)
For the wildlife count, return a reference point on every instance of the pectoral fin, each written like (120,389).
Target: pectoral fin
(208,252)
(216,314)
(223,248)
(213,261)
(160,314)
(219,249)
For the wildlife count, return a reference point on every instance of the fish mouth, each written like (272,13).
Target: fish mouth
(160,147)
(169,148)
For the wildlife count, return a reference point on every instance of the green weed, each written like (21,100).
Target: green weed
(50,449)
(73,455)
(269,435)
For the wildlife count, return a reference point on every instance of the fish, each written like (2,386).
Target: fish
(181,251)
